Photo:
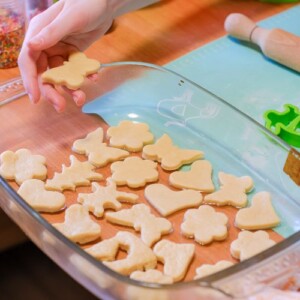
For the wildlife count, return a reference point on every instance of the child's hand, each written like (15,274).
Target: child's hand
(66,26)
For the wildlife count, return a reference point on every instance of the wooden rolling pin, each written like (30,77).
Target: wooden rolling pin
(279,45)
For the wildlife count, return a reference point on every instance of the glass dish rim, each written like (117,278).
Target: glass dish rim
(206,281)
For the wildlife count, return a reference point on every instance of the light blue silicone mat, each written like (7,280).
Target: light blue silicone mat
(240,74)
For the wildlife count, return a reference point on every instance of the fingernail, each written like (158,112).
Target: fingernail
(31,98)
(36,41)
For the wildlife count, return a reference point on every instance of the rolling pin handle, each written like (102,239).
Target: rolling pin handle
(240,26)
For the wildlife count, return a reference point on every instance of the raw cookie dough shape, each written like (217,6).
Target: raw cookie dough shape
(206,269)
(171,157)
(130,135)
(232,191)
(204,225)
(245,182)
(134,172)
(260,215)
(78,225)
(77,174)
(22,165)
(99,154)
(175,257)
(140,256)
(140,218)
(152,276)
(167,201)
(198,178)
(34,193)
(250,243)
(105,198)
(73,72)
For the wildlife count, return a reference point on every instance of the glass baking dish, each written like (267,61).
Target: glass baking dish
(194,118)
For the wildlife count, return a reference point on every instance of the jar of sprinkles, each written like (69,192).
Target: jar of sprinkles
(12,31)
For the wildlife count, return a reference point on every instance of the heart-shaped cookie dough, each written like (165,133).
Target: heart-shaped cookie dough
(34,193)
(260,215)
(167,201)
(198,178)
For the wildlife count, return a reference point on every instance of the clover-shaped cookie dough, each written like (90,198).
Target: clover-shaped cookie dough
(99,154)
(140,218)
(250,243)
(134,172)
(34,193)
(73,72)
(167,201)
(204,225)
(78,225)
(130,135)
(77,174)
(22,165)
(140,256)
(175,257)
(232,191)
(152,276)
(105,198)
(171,157)
(260,215)
(206,269)
(198,178)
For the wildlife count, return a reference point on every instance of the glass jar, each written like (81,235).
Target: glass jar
(34,7)
(12,31)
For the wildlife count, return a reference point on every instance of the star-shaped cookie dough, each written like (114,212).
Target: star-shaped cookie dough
(107,197)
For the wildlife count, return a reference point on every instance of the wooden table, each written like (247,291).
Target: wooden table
(157,34)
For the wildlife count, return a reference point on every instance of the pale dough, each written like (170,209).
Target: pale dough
(140,256)
(175,257)
(167,201)
(34,193)
(152,276)
(170,156)
(204,225)
(22,165)
(206,269)
(78,225)
(140,218)
(130,135)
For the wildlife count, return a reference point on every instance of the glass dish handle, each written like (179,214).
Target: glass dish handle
(11,90)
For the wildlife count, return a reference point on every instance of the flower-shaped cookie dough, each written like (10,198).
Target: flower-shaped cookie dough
(78,225)
(99,154)
(204,224)
(34,193)
(134,172)
(260,215)
(170,156)
(140,218)
(206,269)
(140,256)
(105,197)
(167,201)
(77,174)
(175,257)
(130,136)
(250,243)
(22,165)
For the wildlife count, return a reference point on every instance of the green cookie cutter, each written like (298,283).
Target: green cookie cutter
(285,124)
